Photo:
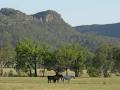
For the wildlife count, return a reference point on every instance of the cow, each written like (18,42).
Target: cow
(51,78)
(68,77)
(55,78)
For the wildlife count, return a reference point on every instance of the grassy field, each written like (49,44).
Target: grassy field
(39,83)
(27,83)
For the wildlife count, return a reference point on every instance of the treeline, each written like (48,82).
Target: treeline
(28,56)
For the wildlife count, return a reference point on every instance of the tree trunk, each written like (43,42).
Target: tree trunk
(66,71)
(106,74)
(43,72)
(76,73)
(30,73)
(1,71)
(35,69)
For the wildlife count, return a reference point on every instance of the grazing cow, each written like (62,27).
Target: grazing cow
(51,78)
(60,76)
(68,77)
(55,78)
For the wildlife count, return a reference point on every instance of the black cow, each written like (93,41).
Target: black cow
(51,78)
(55,78)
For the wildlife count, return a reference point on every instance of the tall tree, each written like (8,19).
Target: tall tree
(116,59)
(70,56)
(29,55)
(79,58)
(7,55)
(103,61)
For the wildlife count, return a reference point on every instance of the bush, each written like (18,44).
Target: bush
(5,74)
(106,74)
(1,72)
(19,73)
(92,72)
(117,74)
(10,74)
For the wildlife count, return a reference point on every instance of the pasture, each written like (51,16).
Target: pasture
(39,83)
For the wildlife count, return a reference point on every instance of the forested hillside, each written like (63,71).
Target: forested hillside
(47,26)
(112,30)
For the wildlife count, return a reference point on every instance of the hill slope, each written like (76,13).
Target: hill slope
(47,26)
(112,30)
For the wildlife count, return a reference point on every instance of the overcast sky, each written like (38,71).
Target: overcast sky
(74,12)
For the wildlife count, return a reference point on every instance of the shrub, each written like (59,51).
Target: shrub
(92,72)
(1,72)
(10,74)
(5,74)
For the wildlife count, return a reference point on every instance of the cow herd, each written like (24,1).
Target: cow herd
(58,77)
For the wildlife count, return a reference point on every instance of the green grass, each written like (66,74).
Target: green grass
(39,83)
(28,83)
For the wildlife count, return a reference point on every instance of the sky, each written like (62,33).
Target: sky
(74,12)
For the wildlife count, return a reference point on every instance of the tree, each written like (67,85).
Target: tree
(79,58)
(103,61)
(29,55)
(23,57)
(46,57)
(60,59)
(53,61)
(89,63)
(63,57)
(116,59)
(70,56)
(7,55)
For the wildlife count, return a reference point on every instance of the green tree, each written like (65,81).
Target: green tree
(23,57)
(29,55)
(60,59)
(103,61)
(63,57)
(89,63)
(46,57)
(79,58)
(7,55)
(116,59)
(70,56)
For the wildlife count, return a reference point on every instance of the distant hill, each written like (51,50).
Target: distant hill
(47,26)
(112,30)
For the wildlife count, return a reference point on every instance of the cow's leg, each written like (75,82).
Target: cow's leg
(58,81)
(49,81)
(63,79)
(54,81)
(68,80)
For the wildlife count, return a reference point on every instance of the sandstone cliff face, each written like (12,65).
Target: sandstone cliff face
(48,16)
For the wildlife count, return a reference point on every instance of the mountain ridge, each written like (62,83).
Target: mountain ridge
(15,27)
(47,27)
(112,30)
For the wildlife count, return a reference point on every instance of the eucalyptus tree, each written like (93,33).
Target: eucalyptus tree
(29,55)
(103,61)
(116,60)
(7,55)
(79,57)
(71,56)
